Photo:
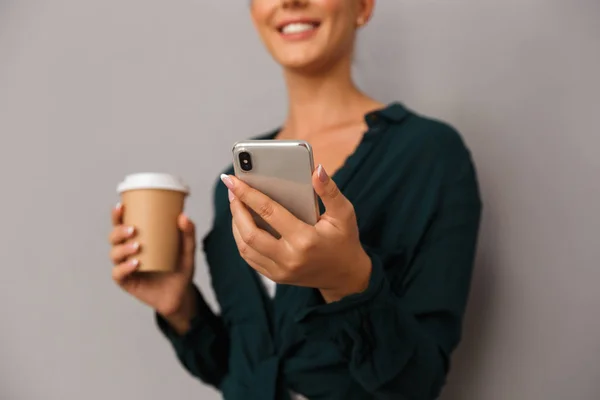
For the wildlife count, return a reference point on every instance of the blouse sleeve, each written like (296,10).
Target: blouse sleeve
(204,349)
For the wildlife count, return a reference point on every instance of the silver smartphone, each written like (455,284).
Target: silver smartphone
(281,169)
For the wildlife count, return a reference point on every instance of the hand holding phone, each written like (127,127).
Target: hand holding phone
(326,255)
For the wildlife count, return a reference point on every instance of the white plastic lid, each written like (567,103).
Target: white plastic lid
(151,180)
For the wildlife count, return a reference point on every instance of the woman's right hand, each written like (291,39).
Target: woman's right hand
(171,294)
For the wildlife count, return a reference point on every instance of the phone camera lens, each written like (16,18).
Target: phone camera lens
(245,161)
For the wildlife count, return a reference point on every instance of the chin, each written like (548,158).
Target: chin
(306,63)
(302,65)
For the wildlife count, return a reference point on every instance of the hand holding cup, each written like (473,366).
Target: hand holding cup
(153,245)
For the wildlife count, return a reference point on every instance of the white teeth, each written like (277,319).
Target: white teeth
(297,28)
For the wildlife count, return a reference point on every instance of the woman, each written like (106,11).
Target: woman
(369,302)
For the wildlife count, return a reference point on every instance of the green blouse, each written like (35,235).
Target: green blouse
(414,188)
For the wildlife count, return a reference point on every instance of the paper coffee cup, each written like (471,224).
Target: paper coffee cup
(152,202)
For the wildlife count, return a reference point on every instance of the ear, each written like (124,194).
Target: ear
(365,11)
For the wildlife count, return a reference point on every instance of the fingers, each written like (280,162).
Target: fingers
(120,234)
(273,213)
(251,235)
(122,271)
(256,260)
(121,252)
(336,204)
(188,230)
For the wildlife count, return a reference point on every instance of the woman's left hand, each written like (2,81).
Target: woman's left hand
(327,256)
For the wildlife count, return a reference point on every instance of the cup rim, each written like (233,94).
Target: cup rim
(152,180)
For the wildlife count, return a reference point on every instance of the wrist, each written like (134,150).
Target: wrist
(356,282)
(180,318)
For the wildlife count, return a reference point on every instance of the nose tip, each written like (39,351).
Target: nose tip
(294,3)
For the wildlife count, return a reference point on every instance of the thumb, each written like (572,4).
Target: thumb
(188,245)
(336,204)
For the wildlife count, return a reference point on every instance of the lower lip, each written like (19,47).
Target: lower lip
(300,35)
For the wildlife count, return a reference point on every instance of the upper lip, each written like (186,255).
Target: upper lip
(282,24)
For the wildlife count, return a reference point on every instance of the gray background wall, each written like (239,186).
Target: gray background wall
(91,90)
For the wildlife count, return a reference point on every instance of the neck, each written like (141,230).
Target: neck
(321,100)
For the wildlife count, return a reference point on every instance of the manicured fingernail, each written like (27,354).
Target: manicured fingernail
(135,246)
(134,263)
(130,230)
(118,206)
(227,181)
(230,195)
(323,177)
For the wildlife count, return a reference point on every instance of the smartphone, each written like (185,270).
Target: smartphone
(282,170)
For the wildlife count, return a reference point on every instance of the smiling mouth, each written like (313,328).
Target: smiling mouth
(296,28)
